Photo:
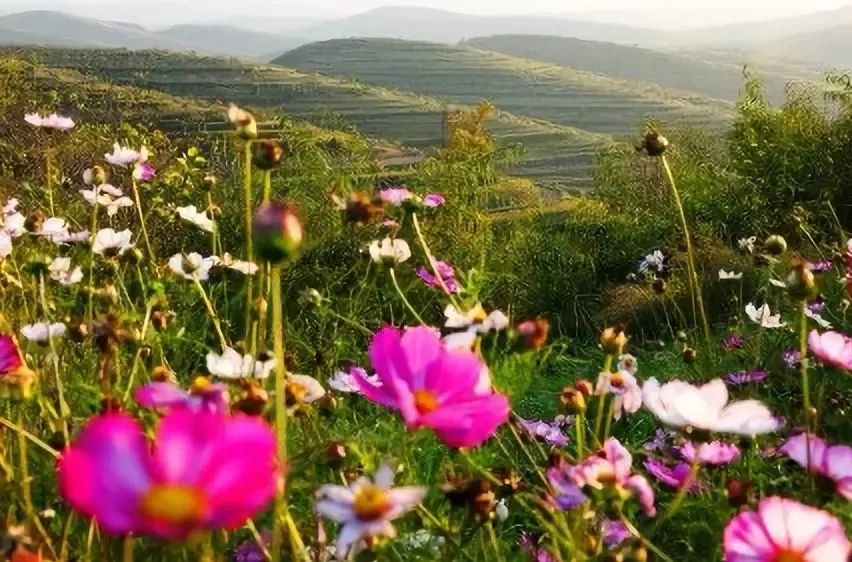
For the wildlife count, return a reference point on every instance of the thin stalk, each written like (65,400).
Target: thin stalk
(282,512)
(404,299)
(693,272)
(93,227)
(212,313)
(267,186)
(580,429)
(141,215)
(64,410)
(806,391)
(48,178)
(607,368)
(249,237)
(433,265)
(214,236)
(681,493)
(127,549)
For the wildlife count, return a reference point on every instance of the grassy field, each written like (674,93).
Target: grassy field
(558,156)
(522,86)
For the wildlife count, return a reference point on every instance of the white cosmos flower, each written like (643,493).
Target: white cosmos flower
(244,267)
(389,251)
(475,318)
(344,380)
(747,244)
(680,404)
(729,275)
(43,331)
(109,243)
(231,365)
(123,157)
(52,228)
(62,271)
(14,225)
(107,196)
(11,206)
(304,389)
(366,508)
(198,218)
(192,266)
(5,244)
(816,317)
(654,261)
(52,121)
(764,316)
(67,237)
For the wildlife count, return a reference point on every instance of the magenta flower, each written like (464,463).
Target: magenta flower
(817,305)
(733,341)
(434,387)
(820,266)
(566,493)
(550,432)
(615,532)
(203,395)
(741,378)
(832,347)
(395,195)
(613,466)
(715,453)
(783,530)
(831,461)
(447,273)
(676,476)
(434,200)
(10,355)
(144,171)
(792,358)
(205,471)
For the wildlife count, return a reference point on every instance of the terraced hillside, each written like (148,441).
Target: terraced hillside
(684,72)
(546,91)
(556,155)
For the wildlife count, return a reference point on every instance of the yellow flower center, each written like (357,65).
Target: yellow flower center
(790,556)
(371,502)
(478,315)
(174,503)
(200,385)
(425,401)
(295,392)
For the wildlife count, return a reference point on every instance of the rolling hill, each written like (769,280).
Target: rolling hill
(829,47)
(59,29)
(680,71)
(556,155)
(459,74)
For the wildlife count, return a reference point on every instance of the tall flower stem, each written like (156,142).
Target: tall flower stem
(93,228)
(64,410)
(249,238)
(433,264)
(212,313)
(695,282)
(607,368)
(141,214)
(24,467)
(48,178)
(282,512)
(681,493)
(806,390)
(127,549)
(402,296)
(580,428)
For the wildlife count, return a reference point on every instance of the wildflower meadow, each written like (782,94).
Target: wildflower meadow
(207,355)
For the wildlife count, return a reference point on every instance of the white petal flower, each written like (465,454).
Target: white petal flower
(62,271)
(244,267)
(306,389)
(198,218)
(729,275)
(680,404)
(11,206)
(344,380)
(366,508)
(109,243)
(654,261)
(475,318)
(389,251)
(43,331)
(52,121)
(67,237)
(123,157)
(192,266)
(763,316)
(231,365)
(816,317)
(53,227)
(5,244)
(14,225)
(747,244)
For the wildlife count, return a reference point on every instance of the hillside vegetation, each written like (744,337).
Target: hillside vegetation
(545,91)
(683,72)
(555,155)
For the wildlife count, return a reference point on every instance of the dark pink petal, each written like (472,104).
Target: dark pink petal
(452,374)
(160,395)
(746,539)
(644,493)
(469,423)
(104,473)
(421,346)
(10,355)
(619,457)
(186,441)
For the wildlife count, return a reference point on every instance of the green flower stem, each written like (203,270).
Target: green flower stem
(249,239)
(48,179)
(282,512)
(651,546)
(681,493)
(93,228)
(267,186)
(212,313)
(24,467)
(580,429)
(433,265)
(695,282)
(607,368)
(141,215)
(806,390)
(214,236)
(258,539)
(64,410)
(127,549)
(402,296)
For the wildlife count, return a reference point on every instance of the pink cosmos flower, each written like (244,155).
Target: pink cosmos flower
(627,394)
(144,171)
(434,387)
(205,471)
(10,355)
(434,200)
(733,341)
(366,508)
(783,530)
(741,378)
(832,461)
(395,195)
(550,432)
(203,395)
(832,347)
(345,380)
(447,273)
(715,453)
(675,476)
(52,121)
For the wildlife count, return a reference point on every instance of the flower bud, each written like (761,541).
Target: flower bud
(209,181)
(34,221)
(689,356)
(775,245)
(277,232)
(613,340)
(360,208)
(335,453)
(245,125)
(573,400)
(161,373)
(738,492)
(267,154)
(161,319)
(654,144)
(801,283)
(534,333)
(636,552)
(659,286)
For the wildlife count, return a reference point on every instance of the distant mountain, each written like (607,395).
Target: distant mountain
(428,24)
(712,79)
(459,74)
(830,47)
(59,29)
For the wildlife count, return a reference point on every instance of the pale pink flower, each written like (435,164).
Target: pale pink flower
(52,121)
(832,347)
(832,461)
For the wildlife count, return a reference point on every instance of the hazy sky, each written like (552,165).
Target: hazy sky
(647,12)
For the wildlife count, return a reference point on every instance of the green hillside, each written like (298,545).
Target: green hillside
(556,155)
(525,87)
(712,79)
